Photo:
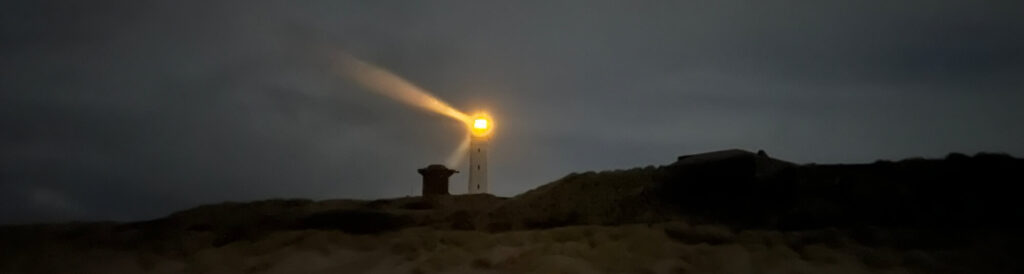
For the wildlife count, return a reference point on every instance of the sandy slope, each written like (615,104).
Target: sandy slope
(659,248)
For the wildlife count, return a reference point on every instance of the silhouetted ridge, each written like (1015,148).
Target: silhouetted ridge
(746,189)
(733,187)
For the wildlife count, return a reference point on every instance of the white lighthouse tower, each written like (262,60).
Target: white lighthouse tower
(478,146)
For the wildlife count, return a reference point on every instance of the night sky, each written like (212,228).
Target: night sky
(130,110)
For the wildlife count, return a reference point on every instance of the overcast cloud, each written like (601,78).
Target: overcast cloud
(129,110)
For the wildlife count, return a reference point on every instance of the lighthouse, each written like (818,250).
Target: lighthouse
(478,146)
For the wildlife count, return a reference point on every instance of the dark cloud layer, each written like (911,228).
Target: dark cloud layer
(129,110)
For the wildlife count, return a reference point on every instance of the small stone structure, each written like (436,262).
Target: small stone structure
(435,179)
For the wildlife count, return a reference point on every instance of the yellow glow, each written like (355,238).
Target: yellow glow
(482,125)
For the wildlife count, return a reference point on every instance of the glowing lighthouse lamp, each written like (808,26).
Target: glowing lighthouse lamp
(480,131)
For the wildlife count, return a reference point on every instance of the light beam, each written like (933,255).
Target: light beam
(459,154)
(386,83)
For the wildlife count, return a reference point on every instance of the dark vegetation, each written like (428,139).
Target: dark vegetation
(750,190)
(733,187)
(355,221)
(955,202)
